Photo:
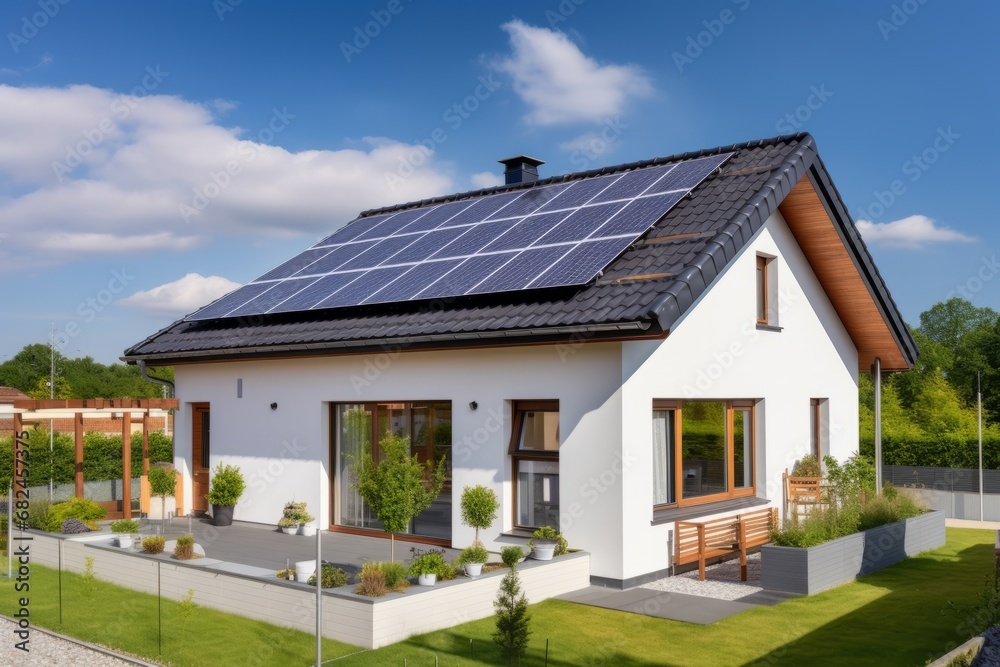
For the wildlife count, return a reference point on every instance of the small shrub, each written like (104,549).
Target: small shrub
(74,527)
(511,555)
(287,575)
(373,582)
(38,514)
(807,466)
(124,526)
(332,577)
(474,554)
(83,509)
(89,580)
(962,659)
(184,548)
(881,510)
(447,572)
(395,576)
(287,522)
(153,544)
(512,619)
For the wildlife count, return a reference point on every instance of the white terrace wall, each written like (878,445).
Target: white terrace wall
(348,618)
(717,351)
(277,450)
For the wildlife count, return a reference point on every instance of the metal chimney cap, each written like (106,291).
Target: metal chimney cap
(518,160)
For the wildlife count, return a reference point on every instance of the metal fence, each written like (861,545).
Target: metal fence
(954,491)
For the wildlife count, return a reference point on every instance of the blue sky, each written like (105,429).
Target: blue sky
(154,155)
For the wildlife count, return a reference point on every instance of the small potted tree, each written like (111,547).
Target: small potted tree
(226,489)
(162,483)
(473,558)
(479,508)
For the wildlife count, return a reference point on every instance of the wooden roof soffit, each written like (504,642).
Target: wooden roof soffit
(832,262)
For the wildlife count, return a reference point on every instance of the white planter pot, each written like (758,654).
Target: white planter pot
(543,550)
(125,541)
(474,569)
(305,569)
(427,579)
(309,530)
(290,530)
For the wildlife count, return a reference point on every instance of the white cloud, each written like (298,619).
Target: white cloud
(560,83)
(913,232)
(180,297)
(222,106)
(486,179)
(87,170)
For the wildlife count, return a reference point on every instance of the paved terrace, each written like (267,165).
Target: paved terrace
(260,545)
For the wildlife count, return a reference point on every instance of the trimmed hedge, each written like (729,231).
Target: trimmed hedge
(938,452)
(102,456)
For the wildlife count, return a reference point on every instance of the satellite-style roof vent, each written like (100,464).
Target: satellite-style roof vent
(520,169)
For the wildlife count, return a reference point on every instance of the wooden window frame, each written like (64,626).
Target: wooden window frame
(518,410)
(762,286)
(731,492)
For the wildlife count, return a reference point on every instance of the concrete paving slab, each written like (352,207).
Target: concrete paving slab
(658,604)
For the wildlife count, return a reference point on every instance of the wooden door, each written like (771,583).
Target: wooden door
(200,456)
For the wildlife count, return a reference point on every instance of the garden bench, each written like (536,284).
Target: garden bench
(697,541)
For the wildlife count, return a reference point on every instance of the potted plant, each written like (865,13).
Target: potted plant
(473,558)
(226,488)
(511,556)
(426,567)
(288,525)
(546,543)
(305,569)
(124,528)
(306,525)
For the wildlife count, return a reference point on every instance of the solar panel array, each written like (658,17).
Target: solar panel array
(556,235)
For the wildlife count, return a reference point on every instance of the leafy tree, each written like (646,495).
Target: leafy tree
(23,370)
(939,411)
(512,618)
(479,508)
(399,486)
(42,389)
(947,322)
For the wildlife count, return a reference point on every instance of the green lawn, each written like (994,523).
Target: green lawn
(903,615)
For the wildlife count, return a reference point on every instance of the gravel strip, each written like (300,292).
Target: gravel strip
(722,581)
(989,655)
(48,651)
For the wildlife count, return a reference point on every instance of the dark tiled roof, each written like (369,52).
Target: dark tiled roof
(719,217)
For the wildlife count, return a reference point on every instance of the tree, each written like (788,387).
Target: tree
(42,389)
(512,618)
(23,370)
(939,411)
(479,508)
(947,322)
(162,483)
(399,486)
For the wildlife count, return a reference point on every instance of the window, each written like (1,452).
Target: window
(360,425)
(767,291)
(819,428)
(534,452)
(702,451)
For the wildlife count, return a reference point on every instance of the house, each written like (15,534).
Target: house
(611,351)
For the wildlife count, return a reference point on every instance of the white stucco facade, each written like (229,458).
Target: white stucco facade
(605,392)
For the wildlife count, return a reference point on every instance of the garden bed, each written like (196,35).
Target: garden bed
(257,593)
(807,571)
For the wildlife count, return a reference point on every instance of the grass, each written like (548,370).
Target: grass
(903,615)
(126,621)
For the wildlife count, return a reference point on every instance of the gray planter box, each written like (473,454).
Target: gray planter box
(815,569)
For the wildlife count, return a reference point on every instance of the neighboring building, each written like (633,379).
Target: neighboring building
(707,334)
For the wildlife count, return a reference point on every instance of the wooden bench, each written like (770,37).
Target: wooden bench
(697,541)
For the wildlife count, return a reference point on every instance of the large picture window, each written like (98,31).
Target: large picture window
(428,426)
(702,451)
(534,451)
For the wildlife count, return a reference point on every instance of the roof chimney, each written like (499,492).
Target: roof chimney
(520,169)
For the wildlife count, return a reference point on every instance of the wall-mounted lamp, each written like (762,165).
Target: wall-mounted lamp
(274,406)
(473,405)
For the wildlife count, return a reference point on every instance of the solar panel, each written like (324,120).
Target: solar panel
(556,235)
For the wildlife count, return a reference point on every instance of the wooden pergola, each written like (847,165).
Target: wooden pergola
(36,410)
